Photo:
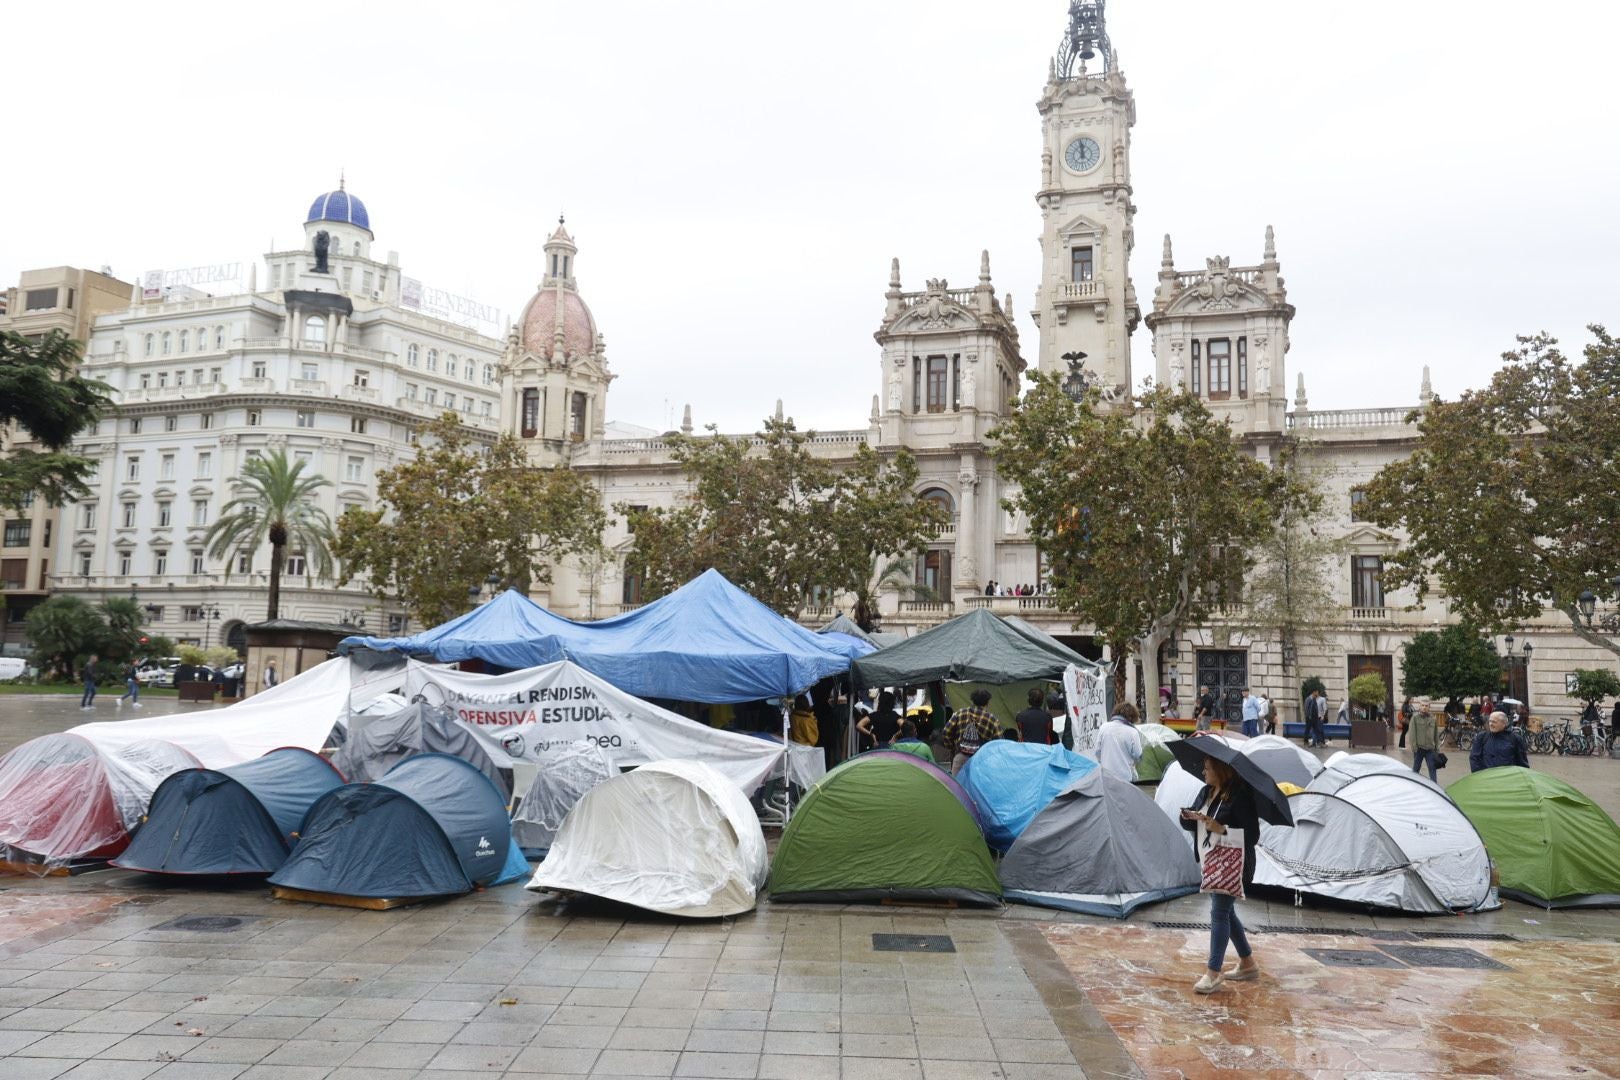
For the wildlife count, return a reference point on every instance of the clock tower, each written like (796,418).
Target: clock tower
(1086,304)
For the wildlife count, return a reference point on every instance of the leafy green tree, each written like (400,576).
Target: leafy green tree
(1510,500)
(779,522)
(461,511)
(1369,691)
(63,630)
(42,394)
(1594,684)
(1453,663)
(275,503)
(1148,516)
(157,645)
(1310,686)
(121,636)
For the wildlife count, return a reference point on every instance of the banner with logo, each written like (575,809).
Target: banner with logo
(522,715)
(1087,696)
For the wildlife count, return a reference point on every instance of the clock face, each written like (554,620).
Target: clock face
(1083,154)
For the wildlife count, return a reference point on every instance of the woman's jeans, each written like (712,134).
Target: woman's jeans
(132,690)
(1224,926)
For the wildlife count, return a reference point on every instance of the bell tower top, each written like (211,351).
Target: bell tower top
(1085,39)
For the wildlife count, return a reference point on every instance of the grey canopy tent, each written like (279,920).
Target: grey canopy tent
(378,743)
(976,647)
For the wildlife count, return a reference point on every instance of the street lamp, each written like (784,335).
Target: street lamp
(355,617)
(210,612)
(1586,602)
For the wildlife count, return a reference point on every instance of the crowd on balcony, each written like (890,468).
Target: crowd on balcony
(997,588)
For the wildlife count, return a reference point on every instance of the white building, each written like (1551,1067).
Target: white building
(326,363)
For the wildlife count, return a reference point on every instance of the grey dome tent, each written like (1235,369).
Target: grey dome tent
(377,743)
(432,826)
(561,779)
(1101,848)
(242,819)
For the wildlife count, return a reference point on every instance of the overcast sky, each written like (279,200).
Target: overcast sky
(738,174)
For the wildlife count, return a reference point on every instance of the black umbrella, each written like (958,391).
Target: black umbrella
(1270,802)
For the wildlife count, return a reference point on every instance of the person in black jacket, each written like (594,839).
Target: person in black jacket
(1497,745)
(1226,802)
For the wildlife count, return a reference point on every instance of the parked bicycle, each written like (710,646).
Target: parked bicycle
(1557,737)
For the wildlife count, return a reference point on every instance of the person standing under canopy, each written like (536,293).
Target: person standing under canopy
(882,725)
(1035,723)
(968,729)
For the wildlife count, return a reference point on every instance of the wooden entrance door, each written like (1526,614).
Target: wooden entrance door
(1225,671)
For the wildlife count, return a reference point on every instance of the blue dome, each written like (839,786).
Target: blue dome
(339,205)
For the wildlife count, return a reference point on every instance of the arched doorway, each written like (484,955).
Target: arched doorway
(236,636)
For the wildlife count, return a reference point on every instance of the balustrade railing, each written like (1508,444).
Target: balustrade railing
(1350,418)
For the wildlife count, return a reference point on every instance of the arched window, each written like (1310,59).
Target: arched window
(942,499)
(489,374)
(168,343)
(149,341)
(315,330)
(411,355)
(185,340)
(450,364)
(219,337)
(467,372)
(433,360)
(357,247)
(531,413)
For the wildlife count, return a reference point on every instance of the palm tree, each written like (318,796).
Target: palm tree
(274,502)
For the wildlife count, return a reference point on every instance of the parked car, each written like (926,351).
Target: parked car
(157,671)
(234,671)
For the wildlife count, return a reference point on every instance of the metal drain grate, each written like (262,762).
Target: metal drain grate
(1303,930)
(1353,958)
(1180,925)
(934,943)
(207,924)
(1389,935)
(1431,956)
(1463,935)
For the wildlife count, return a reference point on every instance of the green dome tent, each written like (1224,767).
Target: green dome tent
(884,827)
(1553,846)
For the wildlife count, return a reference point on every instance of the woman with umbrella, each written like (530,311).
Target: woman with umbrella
(1237,795)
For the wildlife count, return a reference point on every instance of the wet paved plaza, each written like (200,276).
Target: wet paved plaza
(98,981)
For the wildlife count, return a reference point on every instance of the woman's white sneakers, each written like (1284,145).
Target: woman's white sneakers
(1208,983)
(1241,974)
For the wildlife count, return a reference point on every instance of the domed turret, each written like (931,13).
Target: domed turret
(339,206)
(557,321)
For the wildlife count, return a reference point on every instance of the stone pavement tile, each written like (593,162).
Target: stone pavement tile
(449,992)
(815,984)
(70,1044)
(600,995)
(754,983)
(554,1059)
(1020,1027)
(803,1021)
(393,1056)
(39,1018)
(528,1015)
(431,1031)
(1054,1051)
(725,1041)
(267,1027)
(597,1015)
(149,1047)
(344,1029)
(731,1019)
(370,1008)
(801,1043)
(112,1070)
(488,1033)
(13,1041)
(629,980)
(357,1072)
(797,1067)
(469,1058)
(961,1069)
(856,1044)
(141,979)
(200,1070)
(57,979)
(957,1048)
(37,1068)
(287,1072)
(312,1052)
(24,996)
(636,1063)
(682,980)
(239,1051)
(573,1036)
(717,1066)
(859,1068)
(1017,1070)
(961,1027)
(444,1010)
(804,1001)
(880,1023)
(650,1038)
(120,1021)
(298,1006)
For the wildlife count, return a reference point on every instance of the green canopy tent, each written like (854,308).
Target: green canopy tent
(1553,846)
(846,844)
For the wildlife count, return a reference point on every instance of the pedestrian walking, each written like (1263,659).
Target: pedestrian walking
(1251,713)
(1497,746)
(1403,720)
(1270,713)
(132,688)
(1119,744)
(87,701)
(1226,803)
(1316,719)
(1204,713)
(968,729)
(270,676)
(1425,741)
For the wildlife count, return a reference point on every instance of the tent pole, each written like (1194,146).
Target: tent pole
(787,762)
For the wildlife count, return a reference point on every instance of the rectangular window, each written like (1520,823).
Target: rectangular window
(449,401)
(84,564)
(171,423)
(306,418)
(18,532)
(129,515)
(207,421)
(123,564)
(258,369)
(191,613)
(576,415)
(1243,367)
(254,418)
(1367,581)
(1358,497)
(163,376)
(916,384)
(165,467)
(39,300)
(165,514)
(467,404)
(304,457)
(1197,368)
(354,469)
(160,562)
(196,560)
(410,391)
(396,624)
(467,371)
(154,613)
(296,564)
(275,276)
(14,573)
(132,468)
(180,378)
(243,563)
(530,423)
(357,425)
(939,369)
(348,276)
(199,511)
(311,372)
(87,516)
(362,378)
(135,425)
(368,280)
(431,396)
(1080,264)
(197,373)
(1220,368)
(214,372)
(486,408)
(146,380)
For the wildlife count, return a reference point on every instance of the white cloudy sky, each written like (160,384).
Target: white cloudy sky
(738,174)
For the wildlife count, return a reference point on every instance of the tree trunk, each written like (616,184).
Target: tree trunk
(1149,644)
(278,554)
(1586,634)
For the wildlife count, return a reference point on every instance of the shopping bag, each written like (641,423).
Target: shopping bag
(1220,862)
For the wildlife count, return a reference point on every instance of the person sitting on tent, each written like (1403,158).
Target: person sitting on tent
(1497,746)
(968,729)
(1119,744)
(882,725)
(1035,723)
(908,743)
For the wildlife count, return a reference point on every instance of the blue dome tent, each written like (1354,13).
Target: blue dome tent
(432,826)
(1011,782)
(242,819)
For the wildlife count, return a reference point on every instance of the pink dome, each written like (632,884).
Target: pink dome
(540,322)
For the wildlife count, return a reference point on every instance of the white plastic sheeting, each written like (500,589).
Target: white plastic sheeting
(64,798)
(561,779)
(676,837)
(299,712)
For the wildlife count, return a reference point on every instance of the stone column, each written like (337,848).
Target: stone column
(967,532)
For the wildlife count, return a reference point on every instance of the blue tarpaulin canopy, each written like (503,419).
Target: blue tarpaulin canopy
(1013,781)
(707,641)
